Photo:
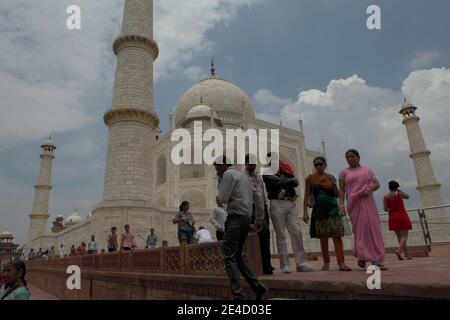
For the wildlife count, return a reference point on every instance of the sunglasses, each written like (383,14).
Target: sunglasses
(319,164)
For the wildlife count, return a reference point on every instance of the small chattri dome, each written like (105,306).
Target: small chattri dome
(201,111)
(48,144)
(6,234)
(74,218)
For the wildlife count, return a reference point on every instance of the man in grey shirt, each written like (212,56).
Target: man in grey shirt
(239,196)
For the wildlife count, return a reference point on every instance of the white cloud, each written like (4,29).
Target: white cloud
(194,73)
(48,71)
(352,114)
(266,100)
(12,195)
(230,59)
(423,58)
(181,28)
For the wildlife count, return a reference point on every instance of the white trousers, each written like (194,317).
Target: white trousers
(284,216)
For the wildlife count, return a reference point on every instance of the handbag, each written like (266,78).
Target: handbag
(347,226)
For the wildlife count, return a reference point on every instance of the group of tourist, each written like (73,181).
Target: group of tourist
(243,206)
(127,243)
(331,200)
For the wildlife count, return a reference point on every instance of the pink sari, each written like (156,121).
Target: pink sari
(363,212)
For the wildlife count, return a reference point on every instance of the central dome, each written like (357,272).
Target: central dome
(228,101)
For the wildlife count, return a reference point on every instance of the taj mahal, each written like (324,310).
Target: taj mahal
(142,186)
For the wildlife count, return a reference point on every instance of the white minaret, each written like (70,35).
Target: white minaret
(171,127)
(40,213)
(133,125)
(324,149)
(427,184)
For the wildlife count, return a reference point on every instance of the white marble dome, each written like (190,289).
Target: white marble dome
(228,101)
(74,218)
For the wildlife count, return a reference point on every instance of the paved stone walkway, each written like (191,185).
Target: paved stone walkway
(427,277)
(37,294)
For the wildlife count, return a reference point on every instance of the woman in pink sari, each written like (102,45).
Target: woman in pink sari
(357,184)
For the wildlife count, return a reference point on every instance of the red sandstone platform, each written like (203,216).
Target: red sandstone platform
(38,294)
(421,278)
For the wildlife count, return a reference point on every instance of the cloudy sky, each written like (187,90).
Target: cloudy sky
(314,57)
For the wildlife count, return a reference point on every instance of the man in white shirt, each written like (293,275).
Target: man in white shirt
(61,251)
(218,218)
(203,236)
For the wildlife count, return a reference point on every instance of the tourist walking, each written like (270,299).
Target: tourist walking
(73,251)
(61,251)
(81,250)
(185,223)
(357,185)
(31,254)
(16,285)
(284,214)
(239,196)
(321,194)
(52,252)
(111,240)
(92,245)
(264,235)
(218,218)
(152,239)
(128,241)
(399,221)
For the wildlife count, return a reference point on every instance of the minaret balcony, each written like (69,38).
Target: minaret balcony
(124,41)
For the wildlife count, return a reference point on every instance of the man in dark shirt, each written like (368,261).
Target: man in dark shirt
(283,212)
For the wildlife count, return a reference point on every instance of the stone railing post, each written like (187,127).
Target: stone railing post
(163,256)
(120,260)
(183,257)
(254,253)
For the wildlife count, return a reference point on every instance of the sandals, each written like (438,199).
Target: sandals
(344,268)
(399,255)
(326,267)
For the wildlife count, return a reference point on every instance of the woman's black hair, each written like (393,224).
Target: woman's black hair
(393,185)
(355,152)
(183,204)
(19,265)
(321,159)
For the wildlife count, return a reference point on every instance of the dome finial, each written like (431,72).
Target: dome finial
(213,68)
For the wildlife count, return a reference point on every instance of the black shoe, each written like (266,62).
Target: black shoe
(261,292)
